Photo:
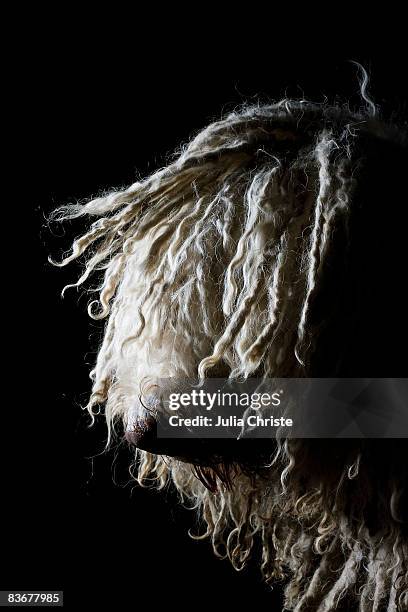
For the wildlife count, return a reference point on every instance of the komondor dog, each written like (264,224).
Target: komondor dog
(273,244)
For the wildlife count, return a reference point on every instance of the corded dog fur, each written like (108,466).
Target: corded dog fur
(272,244)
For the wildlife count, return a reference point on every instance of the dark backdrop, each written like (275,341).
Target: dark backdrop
(72,517)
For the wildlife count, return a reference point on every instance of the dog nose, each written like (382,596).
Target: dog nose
(141,431)
(143,434)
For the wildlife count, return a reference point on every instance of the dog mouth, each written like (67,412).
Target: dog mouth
(197,451)
(200,452)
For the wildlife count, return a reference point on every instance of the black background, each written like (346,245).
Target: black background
(89,119)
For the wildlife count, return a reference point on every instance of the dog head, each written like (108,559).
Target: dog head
(272,245)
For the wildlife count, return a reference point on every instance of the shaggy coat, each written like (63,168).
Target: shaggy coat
(271,245)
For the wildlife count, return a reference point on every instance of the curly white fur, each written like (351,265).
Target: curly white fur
(214,264)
